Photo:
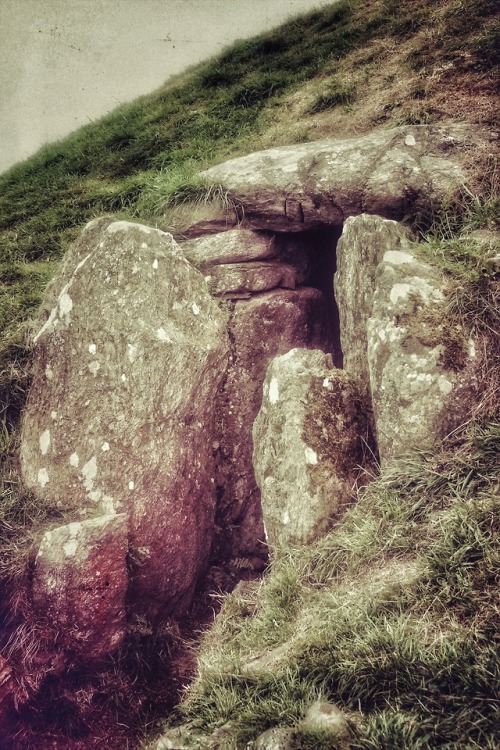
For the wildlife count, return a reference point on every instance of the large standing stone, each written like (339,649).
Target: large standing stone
(364,241)
(80,583)
(260,328)
(307,445)
(120,414)
(387,172)
(421,364)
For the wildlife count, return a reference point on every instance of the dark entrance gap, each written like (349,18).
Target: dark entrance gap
(320,246)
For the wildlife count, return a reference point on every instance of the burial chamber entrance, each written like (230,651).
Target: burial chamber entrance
(320,247)
(262,326)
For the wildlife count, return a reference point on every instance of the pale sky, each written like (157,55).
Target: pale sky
(64,63)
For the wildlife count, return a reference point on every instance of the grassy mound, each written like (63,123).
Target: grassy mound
(392,615)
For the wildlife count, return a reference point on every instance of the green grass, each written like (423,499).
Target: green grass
(392,616)
(338,92)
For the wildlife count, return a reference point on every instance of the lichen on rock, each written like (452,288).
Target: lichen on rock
(308,445)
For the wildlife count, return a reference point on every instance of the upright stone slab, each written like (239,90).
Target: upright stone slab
(120,413)
(260,328)
(421,364)
(307,445)
(364,241)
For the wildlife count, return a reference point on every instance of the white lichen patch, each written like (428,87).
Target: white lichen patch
(387,333)
(410,140)
(162,335)
(89,473)
(444,385)
(327,383)
(92,348)
(43,477)
(285,518)
(155,264)
(399,291)
(53,415)
(65,305)
(131,353)
(398,257)
(62,304)
(274,392)
(71,546)
(74,460)
(94,367)
(49,372)
(196,310)
(105,447)
(44,442)
(311,456)
(123,378)
(419,382)
(131,485)
(108,505)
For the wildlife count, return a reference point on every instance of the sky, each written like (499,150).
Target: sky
(64,63)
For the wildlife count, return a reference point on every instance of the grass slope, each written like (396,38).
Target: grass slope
(393,616)
(344,70)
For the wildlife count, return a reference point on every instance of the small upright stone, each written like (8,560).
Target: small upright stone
(276,738)
(307,445)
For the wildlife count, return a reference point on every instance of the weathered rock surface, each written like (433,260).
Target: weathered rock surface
(322,716)
(388,172)
(233,246)
(260,328)
(120,414)
(421,366)
(364,241)
(243,279)
(276,738)
(80,583)
(307,445)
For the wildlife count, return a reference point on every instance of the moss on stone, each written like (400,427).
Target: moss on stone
(432,326)
(335,422)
